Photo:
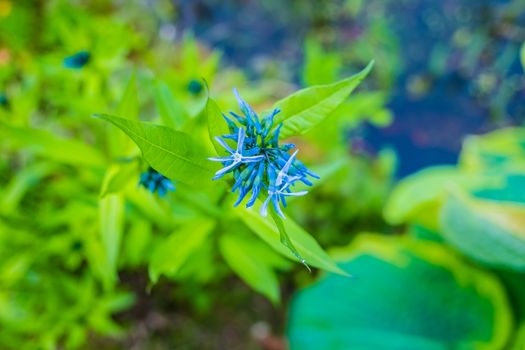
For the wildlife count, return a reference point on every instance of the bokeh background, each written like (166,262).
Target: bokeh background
(443,70)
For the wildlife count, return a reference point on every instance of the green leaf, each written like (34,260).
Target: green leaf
(147,205)
(285,239)
(500,150)
(172,153)
(50,146)
(418,196)
(111,211)
(240,257)
(490,232)
(14,191)
(216,124)
(406,295)
(306,108)
(129,104)
(519,340)
(320,67)
(171,111)
(118,176)
(170,255)
(137,243)
(305,244)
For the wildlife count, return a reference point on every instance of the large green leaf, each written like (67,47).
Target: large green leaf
(173,153)
(306,108)
(406,295)
(305,244)
(491,232)
(170,255)
(246,263)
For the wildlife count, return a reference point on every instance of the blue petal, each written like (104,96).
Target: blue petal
(275,202)
(224,144)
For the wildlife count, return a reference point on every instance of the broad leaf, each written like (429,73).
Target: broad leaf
(169,256)
(244,261)
(490,232)
(406,295)
(306,108)
(172,153)
(305,244)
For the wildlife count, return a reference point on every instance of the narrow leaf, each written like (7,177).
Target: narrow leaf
(171,111)
(117,177)
(216,124)
(306,108)
(173,153)
(305,244)
(111,211)
(285,239)
(129,104)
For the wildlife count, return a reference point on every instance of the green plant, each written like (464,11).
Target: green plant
(475,208)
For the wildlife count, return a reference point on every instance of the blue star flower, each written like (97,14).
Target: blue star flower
(237,157)
(259,162)
(154,181)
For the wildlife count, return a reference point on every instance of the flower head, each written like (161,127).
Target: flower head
(259,164)
(154,181)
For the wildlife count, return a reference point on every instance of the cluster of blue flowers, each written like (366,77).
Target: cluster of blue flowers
(258,163)
(156,182)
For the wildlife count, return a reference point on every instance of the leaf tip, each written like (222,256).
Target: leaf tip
(368,67)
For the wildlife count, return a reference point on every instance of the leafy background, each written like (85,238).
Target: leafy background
(427,221)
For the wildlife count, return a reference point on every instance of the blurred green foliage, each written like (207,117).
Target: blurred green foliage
(74,224)
(70,205)
(475,208)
